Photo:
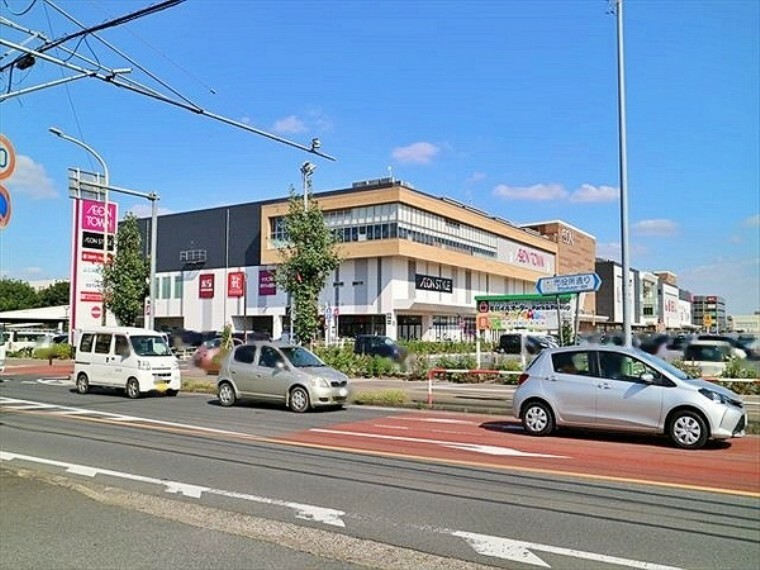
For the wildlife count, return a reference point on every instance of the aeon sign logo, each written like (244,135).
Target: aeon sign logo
(92,216)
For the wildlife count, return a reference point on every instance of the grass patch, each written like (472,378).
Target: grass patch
(199,385)
(381,398)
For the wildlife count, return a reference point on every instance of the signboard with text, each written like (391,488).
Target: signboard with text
(267,282)
(87,260)
(533,312)
(206,286)
(561,284)
(433,283)
(236,284)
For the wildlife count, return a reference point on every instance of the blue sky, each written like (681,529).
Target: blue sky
(508,105)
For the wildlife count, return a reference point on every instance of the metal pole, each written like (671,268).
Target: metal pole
(153,197)
(627,340)
(59,133)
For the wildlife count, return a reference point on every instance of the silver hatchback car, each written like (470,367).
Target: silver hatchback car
(624,389)
(280,373)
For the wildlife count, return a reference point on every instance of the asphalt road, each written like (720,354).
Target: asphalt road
(245,475)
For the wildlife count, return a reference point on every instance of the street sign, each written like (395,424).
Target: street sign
(562,284)
(96,312)
(5,207)
(7,158)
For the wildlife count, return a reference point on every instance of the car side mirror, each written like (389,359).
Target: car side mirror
(647,377)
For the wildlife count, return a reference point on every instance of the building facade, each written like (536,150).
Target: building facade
(709,312)
(412,264)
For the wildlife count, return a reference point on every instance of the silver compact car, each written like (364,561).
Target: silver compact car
(280,373)
(617,388)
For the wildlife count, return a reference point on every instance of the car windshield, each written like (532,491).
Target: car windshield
(662,364)
(301,357)
(149,346)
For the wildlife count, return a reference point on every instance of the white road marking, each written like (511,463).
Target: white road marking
(60,381)
(519,551)
(488,449)
(437,420)
(306,512)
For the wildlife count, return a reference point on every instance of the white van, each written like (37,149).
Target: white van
(137,360)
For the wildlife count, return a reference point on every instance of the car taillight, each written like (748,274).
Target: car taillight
(522,378)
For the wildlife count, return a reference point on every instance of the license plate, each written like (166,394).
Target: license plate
(161,387)
(342,392)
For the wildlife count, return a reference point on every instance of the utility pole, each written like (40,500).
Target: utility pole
(624,233)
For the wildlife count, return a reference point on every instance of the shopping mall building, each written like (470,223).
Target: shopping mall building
(412,263)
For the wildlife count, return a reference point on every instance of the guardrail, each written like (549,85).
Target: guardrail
(433,372)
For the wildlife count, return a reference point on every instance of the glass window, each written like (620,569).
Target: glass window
(166,287)
(102,344)
(617,366)
(302,358)
(121,346)
(571,363)
(245,354)
(269,357)
(178,286)
(85,344)
(150,345)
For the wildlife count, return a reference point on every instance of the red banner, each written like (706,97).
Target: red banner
(206,286)
(236,284)
(267,282)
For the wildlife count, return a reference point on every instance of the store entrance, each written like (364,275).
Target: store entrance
(409,327)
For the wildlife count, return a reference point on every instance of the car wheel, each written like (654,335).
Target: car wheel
(688,430)
(172,393)
(299,400)
(83,384)
(226,394)
(133,389)
(537,419)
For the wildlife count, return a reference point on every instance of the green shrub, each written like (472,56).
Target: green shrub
(738,368)
(690,369)
(56,352)
(381,398)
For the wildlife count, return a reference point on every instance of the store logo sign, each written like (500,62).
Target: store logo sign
(267,282)
(432,283)
(236,284)
(206,286)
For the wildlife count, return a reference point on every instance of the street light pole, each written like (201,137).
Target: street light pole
(624,233)
(59,133)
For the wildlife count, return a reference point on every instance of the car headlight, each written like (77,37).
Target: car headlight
(143,364)
(714,396)
(319,383)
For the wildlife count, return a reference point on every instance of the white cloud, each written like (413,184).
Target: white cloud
(588,194)
(736,280)
(753,221)
(30,179)
(476,177)
(291,124)
(656,227)
(146,210)
(246,120)
(417,153)
(614,251)
(321,122)
(537,192)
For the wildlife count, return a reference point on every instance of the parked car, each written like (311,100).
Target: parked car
(746,347)
(618,388)
(135,360)
(376,345)
(711,355)
(513,343)
(280,373)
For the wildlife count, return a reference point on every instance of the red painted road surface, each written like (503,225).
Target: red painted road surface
(485,440)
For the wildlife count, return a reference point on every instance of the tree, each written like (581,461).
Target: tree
(308,259)
(125,277)
(54,295)
(15,294)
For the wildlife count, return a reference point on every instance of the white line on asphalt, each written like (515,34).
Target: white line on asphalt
(437,420)
(487,449)
(306,512)
(518,551)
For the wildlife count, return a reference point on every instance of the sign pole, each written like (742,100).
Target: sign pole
(577,316)
(559,323)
